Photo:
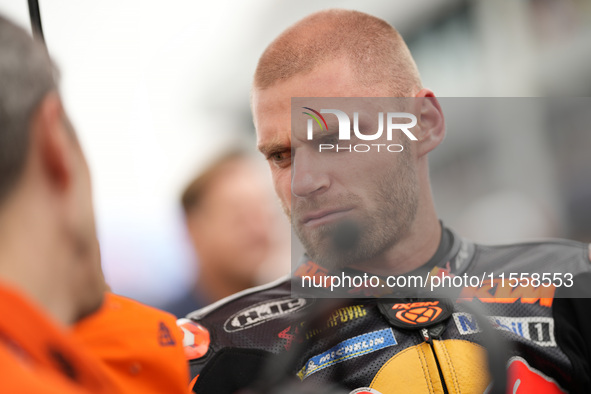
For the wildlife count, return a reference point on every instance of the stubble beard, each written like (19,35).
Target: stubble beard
(379,228)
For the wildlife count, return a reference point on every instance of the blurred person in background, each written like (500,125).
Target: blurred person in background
(230,220)
(50,269)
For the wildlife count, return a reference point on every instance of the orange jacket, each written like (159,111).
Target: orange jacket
(140,347)
(38,356)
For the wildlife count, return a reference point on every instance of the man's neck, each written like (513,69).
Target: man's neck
(409,253)
(27,249)
(215,286)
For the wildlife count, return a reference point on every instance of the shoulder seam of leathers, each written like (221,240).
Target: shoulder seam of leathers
(537,242)
(200,313)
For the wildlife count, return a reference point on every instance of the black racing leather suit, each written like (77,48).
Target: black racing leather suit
(355,345)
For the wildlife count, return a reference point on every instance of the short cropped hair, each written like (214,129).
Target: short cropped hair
(375,49)
(27,74)
(198,187)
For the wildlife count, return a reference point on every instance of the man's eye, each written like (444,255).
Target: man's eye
(280,158)
(333,139)
(330,139)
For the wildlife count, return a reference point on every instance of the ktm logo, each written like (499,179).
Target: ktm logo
(417,312)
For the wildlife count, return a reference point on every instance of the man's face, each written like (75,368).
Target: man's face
(87,281)
(376,191)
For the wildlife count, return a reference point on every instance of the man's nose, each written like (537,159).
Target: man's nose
(308,175)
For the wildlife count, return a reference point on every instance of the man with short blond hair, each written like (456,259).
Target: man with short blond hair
(360,214)
(375,50)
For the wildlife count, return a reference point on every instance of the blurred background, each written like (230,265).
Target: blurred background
(158,90)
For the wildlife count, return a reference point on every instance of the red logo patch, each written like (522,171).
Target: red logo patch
(521,378)
(196,338)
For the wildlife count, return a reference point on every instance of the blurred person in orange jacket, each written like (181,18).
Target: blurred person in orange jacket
(139,347)
(50,273)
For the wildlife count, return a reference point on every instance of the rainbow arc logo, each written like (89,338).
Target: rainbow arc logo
(316,118)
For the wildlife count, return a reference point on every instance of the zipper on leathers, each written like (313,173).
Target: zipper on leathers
(428,337)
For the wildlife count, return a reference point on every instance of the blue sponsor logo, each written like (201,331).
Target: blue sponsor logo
(348,349)
(537,329)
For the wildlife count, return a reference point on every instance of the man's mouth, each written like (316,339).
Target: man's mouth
(324,216)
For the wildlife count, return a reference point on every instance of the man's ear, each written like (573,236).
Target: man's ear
(430,120)
(50,139)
